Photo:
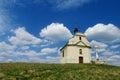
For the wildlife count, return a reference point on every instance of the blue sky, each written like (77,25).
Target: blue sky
(35,30)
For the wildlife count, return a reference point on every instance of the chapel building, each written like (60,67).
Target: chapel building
(77,49)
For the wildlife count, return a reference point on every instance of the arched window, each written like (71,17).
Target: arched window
(80,51)
(63,54)
(80,38)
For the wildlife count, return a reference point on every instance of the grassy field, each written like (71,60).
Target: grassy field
(36,71)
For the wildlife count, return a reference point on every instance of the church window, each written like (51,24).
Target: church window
(80,38)
(80,51)
(63,54)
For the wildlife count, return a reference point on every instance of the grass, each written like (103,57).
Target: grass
(37,71)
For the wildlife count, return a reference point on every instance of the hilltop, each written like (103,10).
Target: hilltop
(37,71)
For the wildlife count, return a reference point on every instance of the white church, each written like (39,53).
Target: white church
(77,49)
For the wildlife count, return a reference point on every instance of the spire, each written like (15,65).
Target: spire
(75,30)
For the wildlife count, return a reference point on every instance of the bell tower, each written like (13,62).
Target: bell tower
(75,30)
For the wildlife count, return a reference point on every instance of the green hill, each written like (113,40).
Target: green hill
(36,71)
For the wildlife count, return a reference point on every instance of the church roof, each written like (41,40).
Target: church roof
(79,43)
(74,42)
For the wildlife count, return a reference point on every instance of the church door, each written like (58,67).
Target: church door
(80,59)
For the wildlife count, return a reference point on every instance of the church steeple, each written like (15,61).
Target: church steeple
(75,30)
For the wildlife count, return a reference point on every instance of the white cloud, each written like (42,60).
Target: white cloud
(25,47)
(114,60)
(22,48)
(29,56)
(51,59)
(6,51)
(114,46)
(46,43)
(9,60)
(28,53)
(57,4)
(4,46)
(17,55)
(98,44)
(108,53)
(104,49)
(56,32)
(22,37)
(101,47)
(5,21)
(67,4)
(2,25)
(47,59)
(48,50)
(5,17)
(105,33)
(106,37)
(62,4)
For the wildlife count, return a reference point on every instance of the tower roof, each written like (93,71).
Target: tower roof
(77,33)
(75,30)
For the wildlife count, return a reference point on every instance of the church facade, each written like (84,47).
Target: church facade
(77,49)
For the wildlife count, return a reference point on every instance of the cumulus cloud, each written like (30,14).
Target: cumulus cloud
(56,32)
(107,38)
(5,21)
(22,48)
(25,47)
(98,44)
(51,59)
(114,46)
(22,37)
(110,52)
(4,46)
(63,4)
(6,17)
(101,47)
(48,50)
(105,33)
(57,4)
(2,25)
(67,4)
(106,52)
(114,60)
(28,55)
(6,51)
(47,59)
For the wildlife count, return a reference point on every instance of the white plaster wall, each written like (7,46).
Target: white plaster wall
(71,54)
(85,41)
(75,39)
(86,55)
(63,59)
